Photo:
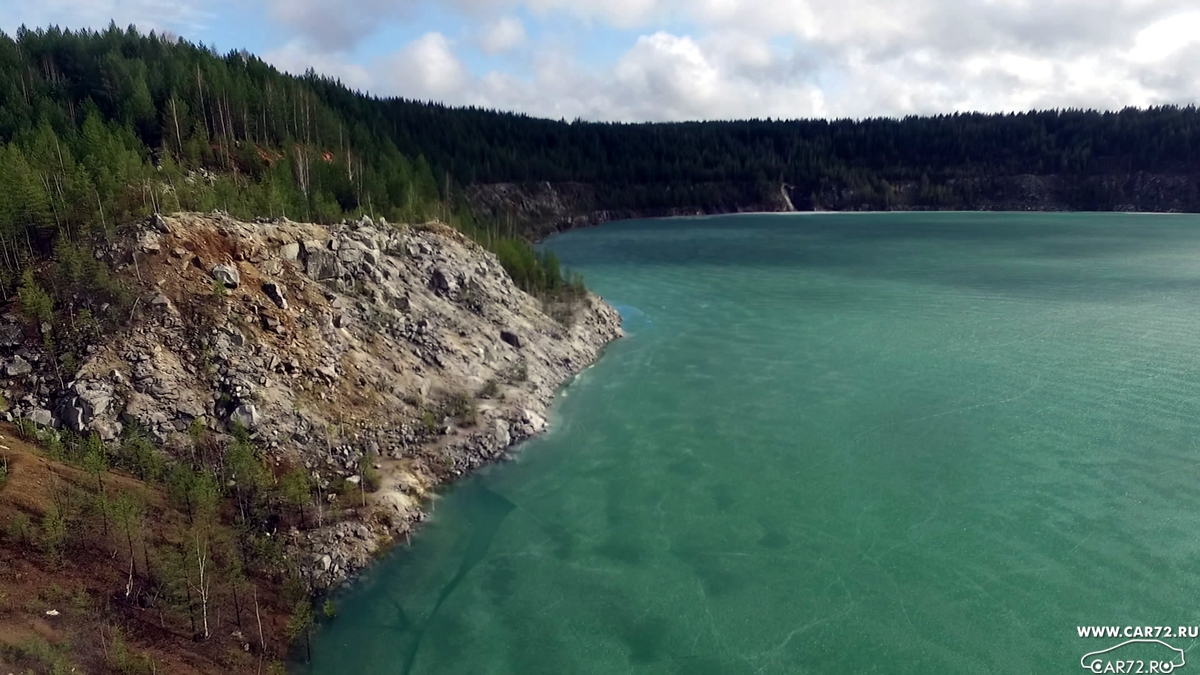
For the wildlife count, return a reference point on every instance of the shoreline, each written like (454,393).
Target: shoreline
(484,460)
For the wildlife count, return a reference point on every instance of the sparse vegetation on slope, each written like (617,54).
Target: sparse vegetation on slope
(107,573)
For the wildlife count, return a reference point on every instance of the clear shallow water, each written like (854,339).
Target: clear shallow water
(893,443)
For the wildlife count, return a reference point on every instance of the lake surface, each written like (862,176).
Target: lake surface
(844,443)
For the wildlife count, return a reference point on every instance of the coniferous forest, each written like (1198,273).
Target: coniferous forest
(97,128)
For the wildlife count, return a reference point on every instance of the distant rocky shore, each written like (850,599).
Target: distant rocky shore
(544,208)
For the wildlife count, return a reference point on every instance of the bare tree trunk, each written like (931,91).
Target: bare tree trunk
(237,606)
(100,205)
(262,642)
(203,588)
(178,136)
(203,107)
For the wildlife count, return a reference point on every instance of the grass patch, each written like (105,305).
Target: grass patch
(39,656)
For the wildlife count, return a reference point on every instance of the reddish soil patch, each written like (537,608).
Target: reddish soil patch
(76,608)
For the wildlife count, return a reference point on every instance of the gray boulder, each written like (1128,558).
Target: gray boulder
(227,275)
(11,335)
(245,414)
(94,399)
(290,251)
(323,264)
(503,437)
(161,301)
(351,253)
(17,367)
(40,416)
(441,282)
(159,223)
(277,293)
(73,416)
(535,422)
(189,409)
(109,431)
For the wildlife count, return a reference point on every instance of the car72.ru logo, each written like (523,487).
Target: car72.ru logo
(1125,658)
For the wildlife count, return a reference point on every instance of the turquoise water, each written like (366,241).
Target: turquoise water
(854,443)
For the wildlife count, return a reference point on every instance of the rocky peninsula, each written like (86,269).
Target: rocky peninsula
(366,345)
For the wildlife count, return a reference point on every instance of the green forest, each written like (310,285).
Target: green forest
(100,128)
(723,163)
(97,128)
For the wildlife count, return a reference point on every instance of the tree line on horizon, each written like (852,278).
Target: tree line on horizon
(948,159)
(97,127)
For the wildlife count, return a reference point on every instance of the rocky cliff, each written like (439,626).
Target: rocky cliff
(541,208)
(407,345)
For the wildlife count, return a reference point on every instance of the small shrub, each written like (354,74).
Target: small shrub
(125,660)
(457,406)
(26,429)
(490,389)
(138,455)
(17,529)
(371,479)
(36,306)
(41,655)
(55,448)
(329,610)
(518,373)
(54,535)
(429,422)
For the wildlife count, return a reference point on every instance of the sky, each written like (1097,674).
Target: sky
(664,60)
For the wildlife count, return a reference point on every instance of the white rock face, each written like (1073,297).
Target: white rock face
(408,345)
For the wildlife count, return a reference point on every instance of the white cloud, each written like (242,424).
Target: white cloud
(727,58)
(1165,37)
(503,35)
(426,68)
(296,57)
(182,16)
(336,26)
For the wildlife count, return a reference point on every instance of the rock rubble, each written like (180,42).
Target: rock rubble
(407,346)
